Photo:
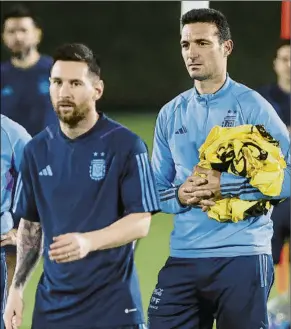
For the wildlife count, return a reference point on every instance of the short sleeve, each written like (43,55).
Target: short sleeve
(24,198)
(138,187)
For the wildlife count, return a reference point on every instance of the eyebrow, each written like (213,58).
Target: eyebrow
(71,80)
(195,40)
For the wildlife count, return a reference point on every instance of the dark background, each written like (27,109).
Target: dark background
(138,43)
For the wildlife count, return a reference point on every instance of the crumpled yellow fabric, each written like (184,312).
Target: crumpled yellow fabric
(248,151)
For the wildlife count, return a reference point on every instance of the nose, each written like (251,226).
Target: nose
(65,91)
(19,36)
(192,51)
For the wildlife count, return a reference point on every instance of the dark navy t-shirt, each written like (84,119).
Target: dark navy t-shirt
(279,99)
(25,95)
(83,185)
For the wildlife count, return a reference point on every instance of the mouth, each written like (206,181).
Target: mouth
(17,48)
(65,107)
(194,66)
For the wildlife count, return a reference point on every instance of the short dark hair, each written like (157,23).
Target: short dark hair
(78,52)
(281,43)
(208,15)
(20,11)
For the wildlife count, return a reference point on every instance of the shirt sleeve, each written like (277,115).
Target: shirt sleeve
(164,169)
(262,114)
(24,199)
(18,148)
(138,188)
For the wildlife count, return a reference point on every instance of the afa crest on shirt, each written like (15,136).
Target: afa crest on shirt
(230,119)
(97,168)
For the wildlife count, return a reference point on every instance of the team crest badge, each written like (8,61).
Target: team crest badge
(230,119)
(98,167)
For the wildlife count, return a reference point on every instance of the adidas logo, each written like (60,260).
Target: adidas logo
(182,130)
(47,171)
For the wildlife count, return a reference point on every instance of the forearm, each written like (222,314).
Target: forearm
(29,251)
(236,186)
(124,231)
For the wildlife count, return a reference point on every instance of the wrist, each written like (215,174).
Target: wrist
(92,240)
(16,290)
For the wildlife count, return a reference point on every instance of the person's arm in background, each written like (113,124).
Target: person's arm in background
(23,139)
(262,114)
(18,141)
(29,242)
(9,239)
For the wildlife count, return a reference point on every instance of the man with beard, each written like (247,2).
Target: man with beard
(25,77)
(87,189)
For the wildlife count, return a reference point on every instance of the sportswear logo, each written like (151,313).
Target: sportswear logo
(130,310)
(182,130)
(47,171)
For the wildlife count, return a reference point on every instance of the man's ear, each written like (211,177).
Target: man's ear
(99,88)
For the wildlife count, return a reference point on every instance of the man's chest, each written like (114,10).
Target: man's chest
(21,90)
(75,171)
(189,130)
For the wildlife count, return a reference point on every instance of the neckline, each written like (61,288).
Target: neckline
(96,128)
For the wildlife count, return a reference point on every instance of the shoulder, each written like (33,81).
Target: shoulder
(169,109)
(5,67)
(40,140)
(45,61)
(248,97)
(14,131)
(121,138)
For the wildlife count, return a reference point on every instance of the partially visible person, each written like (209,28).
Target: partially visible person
(25,76)
(13,139)
(24,81)
(278,94)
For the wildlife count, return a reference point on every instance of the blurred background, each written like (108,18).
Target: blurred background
(138,43)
